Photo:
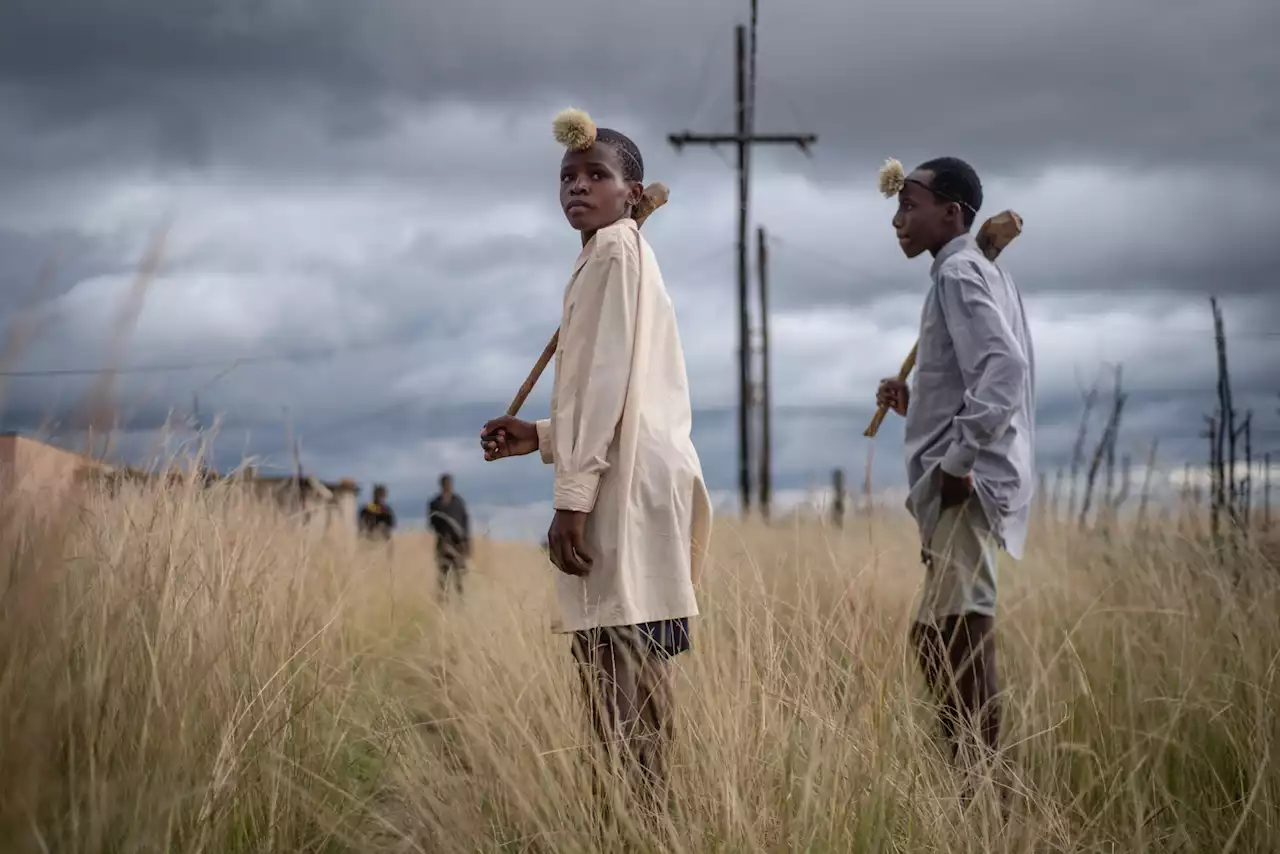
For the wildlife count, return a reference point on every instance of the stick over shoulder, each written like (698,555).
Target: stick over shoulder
(996,233)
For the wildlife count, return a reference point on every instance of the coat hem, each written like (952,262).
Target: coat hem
(568,627)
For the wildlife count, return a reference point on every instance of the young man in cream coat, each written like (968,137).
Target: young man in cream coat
(632,512)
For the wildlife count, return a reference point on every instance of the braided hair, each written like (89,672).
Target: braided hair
(628,154)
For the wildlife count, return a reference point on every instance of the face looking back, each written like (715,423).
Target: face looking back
(593,191)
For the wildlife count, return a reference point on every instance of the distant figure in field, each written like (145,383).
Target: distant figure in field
(970,442)
(377,519)
(447,516)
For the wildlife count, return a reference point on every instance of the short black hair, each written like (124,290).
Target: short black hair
(956,181)
(444,477)
(628,154)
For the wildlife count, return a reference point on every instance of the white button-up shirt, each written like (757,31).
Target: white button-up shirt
(972,404)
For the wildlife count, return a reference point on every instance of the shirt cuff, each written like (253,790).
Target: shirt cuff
(545,448)
(576,492)
(959,460)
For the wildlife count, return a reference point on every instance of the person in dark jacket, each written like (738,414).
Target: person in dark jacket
(447,516)
(377,520)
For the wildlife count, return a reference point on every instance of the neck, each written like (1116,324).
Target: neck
(943,243)
(587,235)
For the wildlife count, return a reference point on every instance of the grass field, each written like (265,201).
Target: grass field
(182,673)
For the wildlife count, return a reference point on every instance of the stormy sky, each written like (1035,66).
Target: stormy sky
(364,244)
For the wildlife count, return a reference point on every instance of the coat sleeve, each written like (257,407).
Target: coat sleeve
(992,363)
(546,445)
(598,340)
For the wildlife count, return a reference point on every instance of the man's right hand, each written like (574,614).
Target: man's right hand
(508,437)
(894,394)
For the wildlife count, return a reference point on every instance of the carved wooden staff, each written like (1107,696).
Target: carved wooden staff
(655,196)
(995,234)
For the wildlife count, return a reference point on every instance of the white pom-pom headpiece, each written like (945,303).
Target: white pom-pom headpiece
(574,129)
(892,178)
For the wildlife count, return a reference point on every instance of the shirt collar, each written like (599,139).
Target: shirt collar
(956,244)
(625,223)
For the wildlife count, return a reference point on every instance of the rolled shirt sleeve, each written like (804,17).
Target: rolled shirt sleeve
(598,341)
(991,361)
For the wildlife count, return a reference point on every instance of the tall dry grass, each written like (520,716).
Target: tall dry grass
(182,671)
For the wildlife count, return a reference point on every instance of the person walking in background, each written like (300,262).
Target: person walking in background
(970,441)
(447,516)
(377,519)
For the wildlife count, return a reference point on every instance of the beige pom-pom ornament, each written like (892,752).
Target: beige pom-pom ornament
(574,129)
(892,178)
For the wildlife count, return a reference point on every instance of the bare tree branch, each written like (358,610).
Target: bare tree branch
(1077,452)
(1105,444)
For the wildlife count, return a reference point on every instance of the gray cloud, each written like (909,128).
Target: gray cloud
(343,174)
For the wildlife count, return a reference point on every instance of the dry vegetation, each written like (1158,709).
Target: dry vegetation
(181,672)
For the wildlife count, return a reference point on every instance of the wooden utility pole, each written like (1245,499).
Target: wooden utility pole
(766,447)
(743,138)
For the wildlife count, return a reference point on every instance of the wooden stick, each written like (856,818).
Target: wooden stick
(655,196)
(908,364)
(995,234)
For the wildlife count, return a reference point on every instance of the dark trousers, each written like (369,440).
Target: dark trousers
(626,682)
(450,563)
(958,659)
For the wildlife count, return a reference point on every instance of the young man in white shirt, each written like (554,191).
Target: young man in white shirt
(970,442)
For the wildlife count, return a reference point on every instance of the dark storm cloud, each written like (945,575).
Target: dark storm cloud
(1086,81)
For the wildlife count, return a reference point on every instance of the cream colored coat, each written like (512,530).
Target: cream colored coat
(619,438)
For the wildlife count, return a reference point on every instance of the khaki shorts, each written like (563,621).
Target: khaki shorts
(960,568)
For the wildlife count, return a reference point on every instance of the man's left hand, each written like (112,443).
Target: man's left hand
(567,543)
(956,490)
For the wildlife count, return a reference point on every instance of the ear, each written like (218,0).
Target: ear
(635,193)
